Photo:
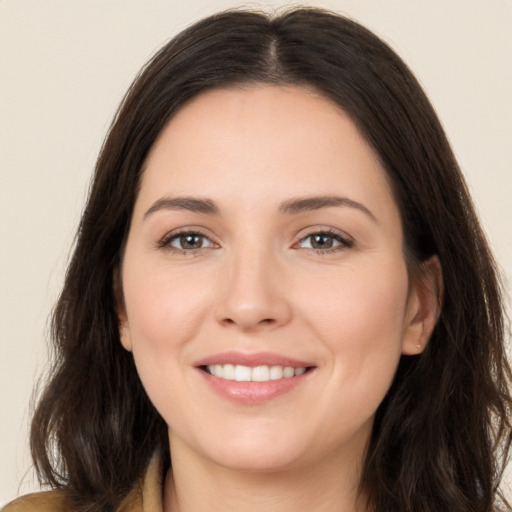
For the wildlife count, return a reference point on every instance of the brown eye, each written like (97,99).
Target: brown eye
(324,242)
(189,241)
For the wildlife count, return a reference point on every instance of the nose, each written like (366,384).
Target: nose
(253,293)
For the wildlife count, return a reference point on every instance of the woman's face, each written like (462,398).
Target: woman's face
(266,296)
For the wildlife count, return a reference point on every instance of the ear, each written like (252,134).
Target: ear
(423,306)
(122,318)
(125,336)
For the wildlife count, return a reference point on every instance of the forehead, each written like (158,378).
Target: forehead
(260,143)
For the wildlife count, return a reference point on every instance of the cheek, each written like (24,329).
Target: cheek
(362,331)
(361,302)
(360,320)
(165,310)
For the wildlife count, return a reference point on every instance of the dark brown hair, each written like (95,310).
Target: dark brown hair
(442,434)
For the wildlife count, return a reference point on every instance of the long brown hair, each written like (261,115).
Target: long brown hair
(443,432)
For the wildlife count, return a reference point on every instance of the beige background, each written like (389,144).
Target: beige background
(64,67)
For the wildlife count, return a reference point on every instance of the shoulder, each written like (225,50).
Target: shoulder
(146,495)
(50,501)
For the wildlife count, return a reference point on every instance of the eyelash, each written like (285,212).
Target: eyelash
(344,242)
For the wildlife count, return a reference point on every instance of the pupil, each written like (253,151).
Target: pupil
(191,241)
(322,241)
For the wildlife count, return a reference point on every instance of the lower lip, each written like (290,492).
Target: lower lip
(253,392)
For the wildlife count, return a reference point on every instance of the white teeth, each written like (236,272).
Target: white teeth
(288,372)
(242,373)
(228,372)
(276,372)
(260,374)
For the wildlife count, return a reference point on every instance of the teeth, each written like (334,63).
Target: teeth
(288,372)
(276,372)
(242,373)
(228,372)
(260,374)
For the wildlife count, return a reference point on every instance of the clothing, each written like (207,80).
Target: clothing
(144,497)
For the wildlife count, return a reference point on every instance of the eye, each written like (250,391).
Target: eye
(325,241)
(186,241)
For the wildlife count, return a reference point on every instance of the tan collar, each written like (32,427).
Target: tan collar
(147,496)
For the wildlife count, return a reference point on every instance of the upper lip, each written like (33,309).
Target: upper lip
(254,359)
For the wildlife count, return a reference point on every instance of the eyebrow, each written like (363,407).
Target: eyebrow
(306,204)
(191,204)
(290,207)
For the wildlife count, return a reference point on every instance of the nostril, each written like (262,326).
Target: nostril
(247,324)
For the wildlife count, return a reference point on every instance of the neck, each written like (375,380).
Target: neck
(199,485)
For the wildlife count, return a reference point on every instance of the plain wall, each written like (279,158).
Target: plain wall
(64,66)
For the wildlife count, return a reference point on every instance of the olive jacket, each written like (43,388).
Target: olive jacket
(145,497)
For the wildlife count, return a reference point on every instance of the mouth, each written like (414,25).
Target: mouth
(254,378)
(262,373)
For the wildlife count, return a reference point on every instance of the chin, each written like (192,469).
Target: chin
(249,450)
(268,460)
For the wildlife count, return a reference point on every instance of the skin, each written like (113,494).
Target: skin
(256,284)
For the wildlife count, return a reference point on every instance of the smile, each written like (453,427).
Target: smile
(264,373)
(255,378)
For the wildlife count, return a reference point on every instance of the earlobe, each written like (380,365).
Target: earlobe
(424,307)
(124,336)
(122,319)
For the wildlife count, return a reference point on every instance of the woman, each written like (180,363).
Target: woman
(280,294)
